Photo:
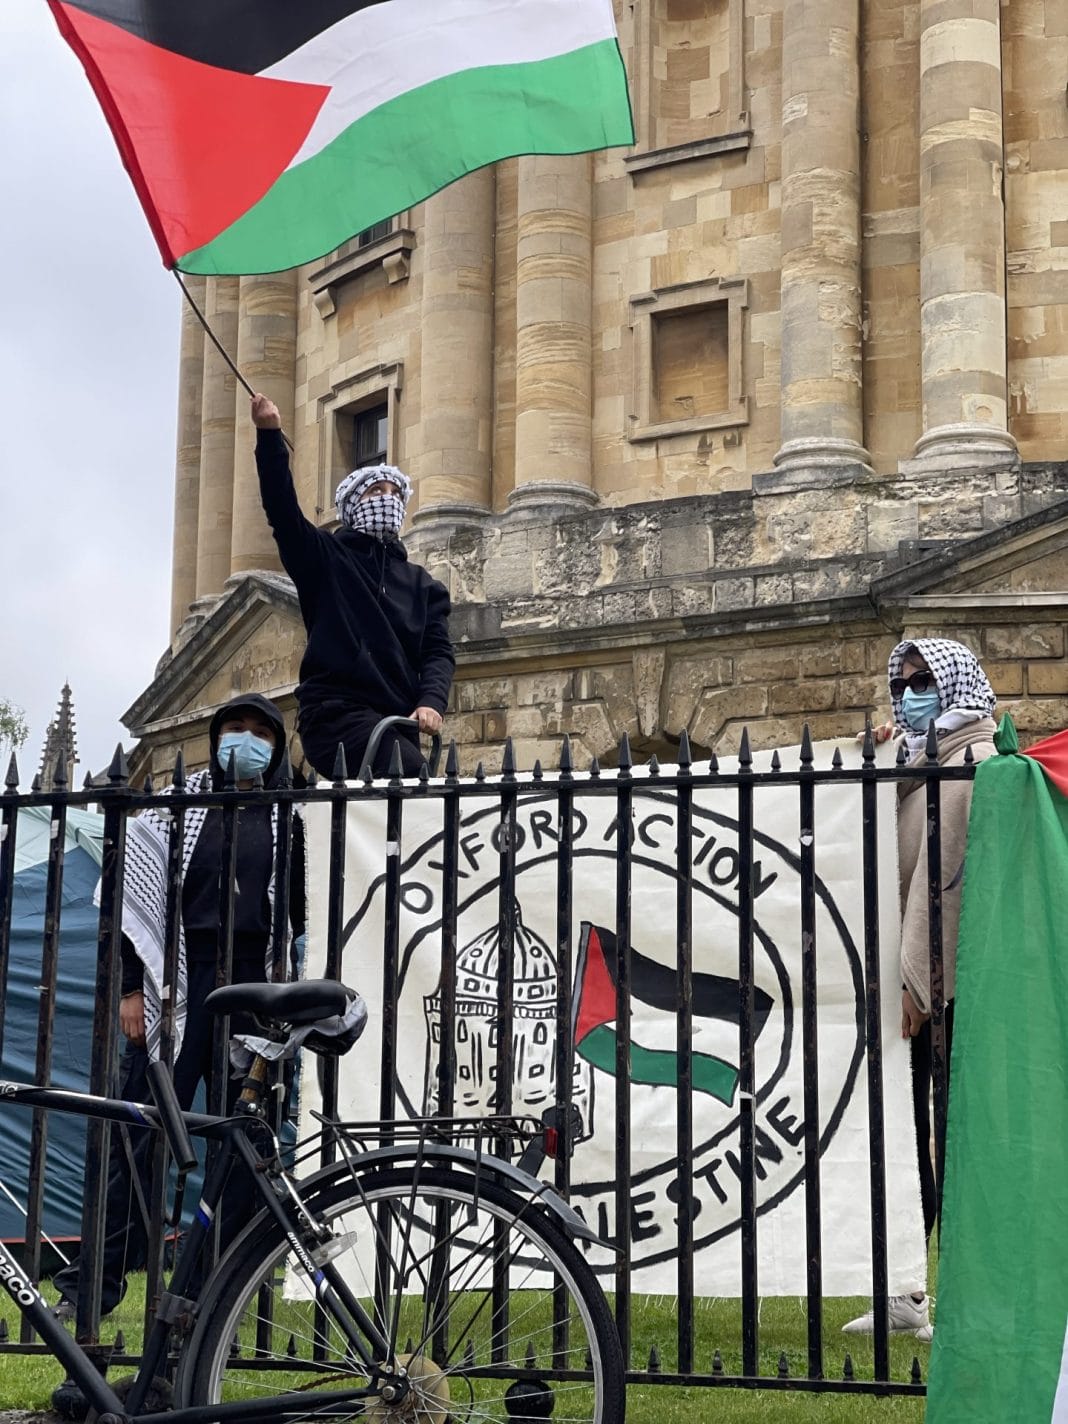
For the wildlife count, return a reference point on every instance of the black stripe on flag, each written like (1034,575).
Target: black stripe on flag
(243,35)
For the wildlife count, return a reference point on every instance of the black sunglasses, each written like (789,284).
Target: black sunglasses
(919,682)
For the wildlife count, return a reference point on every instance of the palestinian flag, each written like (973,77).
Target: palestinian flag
(1001,1343)
(260,134)
(654,985)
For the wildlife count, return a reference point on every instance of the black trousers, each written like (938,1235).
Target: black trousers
(125,1230)
(324,725)
(922,1079)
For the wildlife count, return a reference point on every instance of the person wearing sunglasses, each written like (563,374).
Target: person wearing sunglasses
(940,681)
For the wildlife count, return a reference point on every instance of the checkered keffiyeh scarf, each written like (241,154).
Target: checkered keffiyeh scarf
(380,515)
(962,684)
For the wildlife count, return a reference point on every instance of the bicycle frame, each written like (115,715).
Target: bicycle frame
(331,1291)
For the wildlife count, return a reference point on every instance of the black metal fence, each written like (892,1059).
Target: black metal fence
(747,1359)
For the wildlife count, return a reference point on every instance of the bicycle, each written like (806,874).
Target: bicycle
(412,1279)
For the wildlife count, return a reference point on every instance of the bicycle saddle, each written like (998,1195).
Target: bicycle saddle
(305,1002)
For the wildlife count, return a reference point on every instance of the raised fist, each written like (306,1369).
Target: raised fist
(265,413)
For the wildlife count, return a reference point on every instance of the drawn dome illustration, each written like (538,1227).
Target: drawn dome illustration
(534,999)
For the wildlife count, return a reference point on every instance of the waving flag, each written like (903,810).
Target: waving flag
(655,986)
(263,133)
(1001,1342)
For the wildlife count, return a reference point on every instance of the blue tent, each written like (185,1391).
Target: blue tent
(73,1014)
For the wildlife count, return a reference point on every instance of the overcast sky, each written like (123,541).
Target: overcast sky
(88,369)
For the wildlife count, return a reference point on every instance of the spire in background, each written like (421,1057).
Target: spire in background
(60,737)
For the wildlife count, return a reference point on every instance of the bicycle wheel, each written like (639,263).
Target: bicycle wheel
(488,1307)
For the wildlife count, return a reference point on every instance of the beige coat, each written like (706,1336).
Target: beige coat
(912,860)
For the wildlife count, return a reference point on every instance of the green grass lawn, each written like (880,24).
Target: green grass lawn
(28,1382)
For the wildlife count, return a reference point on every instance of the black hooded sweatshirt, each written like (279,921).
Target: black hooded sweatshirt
(255,848)
(378,625)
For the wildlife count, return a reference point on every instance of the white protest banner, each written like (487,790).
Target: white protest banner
(655,1170)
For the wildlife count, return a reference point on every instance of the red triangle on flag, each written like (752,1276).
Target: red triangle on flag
(1052,755)
(201,144)
(596,989)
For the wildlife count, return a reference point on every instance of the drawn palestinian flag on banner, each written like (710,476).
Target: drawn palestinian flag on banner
(1001,1341)
(260,134)
(655,986)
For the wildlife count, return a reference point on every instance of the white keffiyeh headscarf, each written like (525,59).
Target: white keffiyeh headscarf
(964,692)
(380,515)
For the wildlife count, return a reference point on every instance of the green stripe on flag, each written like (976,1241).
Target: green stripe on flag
(409,148)
(1003,1269)
(657,1066)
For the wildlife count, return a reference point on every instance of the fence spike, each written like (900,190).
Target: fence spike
(508,761)
(178,779)
(11,781)
(284,778)
(595,769)
(312,778)
(531,1361)
(589,1358)
(806,746)
(368,774)
(776,760)
(3,1332)
(931,748)
(257,781)
(969,755)
(35,784)
(717,1363)
(341,766)
(148,788)
(87,784)
(118,771)
(625,760)
(480,772)
(120,1343)
(685,755)
(867,751)
(59,776)
(836,760)
(654,1360)
(654,766)
(291,1348)
(230,778)
(409,1346)
(902,755)
(745,754)
(784,1365)
(538,773)
(567,766)
(713,764)
(396,763)
(847,1368)
(452,762)
(916,1372)
(424,773)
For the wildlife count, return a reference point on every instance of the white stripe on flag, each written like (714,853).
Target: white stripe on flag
(383,51)
(1060,1399)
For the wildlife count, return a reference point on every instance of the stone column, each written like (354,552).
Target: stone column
(452,470)
(266,357)
(554,319)
(215,506)
(962,237)
(187,458)
(822,409)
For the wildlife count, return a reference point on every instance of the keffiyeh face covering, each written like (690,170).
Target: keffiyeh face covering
(380,515)
(962,684)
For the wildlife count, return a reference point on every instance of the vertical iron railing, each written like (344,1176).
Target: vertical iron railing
(467,807)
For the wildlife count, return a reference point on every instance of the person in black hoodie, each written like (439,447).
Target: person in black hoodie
(378,624)
(252,729)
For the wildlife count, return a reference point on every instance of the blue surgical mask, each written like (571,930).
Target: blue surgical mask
(919,707)
(251,754)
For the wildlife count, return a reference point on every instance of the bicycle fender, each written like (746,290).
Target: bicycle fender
(475,1164)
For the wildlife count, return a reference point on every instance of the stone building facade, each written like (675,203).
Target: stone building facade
(698,428)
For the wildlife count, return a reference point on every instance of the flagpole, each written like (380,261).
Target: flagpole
(217,343)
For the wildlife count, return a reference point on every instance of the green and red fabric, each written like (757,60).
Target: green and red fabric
(1001,1342)
(260,134)
(655,986)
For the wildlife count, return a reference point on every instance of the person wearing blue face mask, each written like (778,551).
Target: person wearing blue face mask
(250,732)
(940,681)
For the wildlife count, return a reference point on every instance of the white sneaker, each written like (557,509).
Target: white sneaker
(906,1316)
(925,1334)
